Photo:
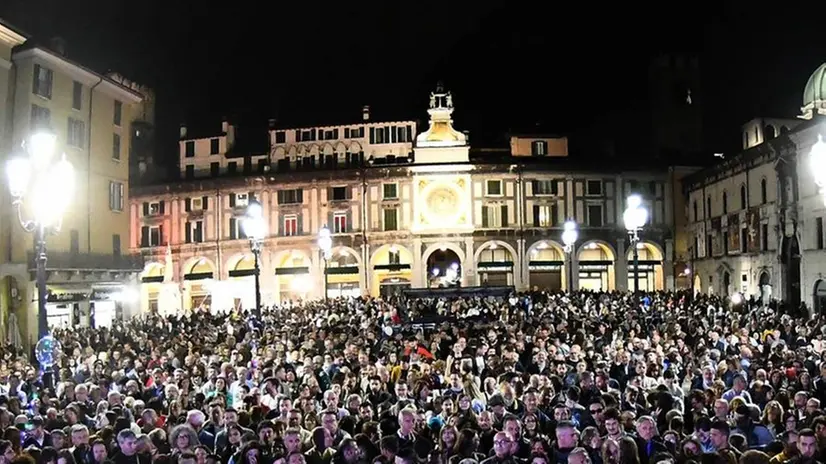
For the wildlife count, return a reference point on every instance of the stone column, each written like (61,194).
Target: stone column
(469,266)
(416,268)
(520,266)
(366,271)
(668,265)
(621,267)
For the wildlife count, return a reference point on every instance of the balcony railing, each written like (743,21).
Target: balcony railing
(63,260)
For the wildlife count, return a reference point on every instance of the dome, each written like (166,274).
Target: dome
(816,86)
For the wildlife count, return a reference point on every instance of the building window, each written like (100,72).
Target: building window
(545,187)
(280,137)
(116,147)
(118,113)
(339,223)
(391,216)
(77,95)
(725,202)
(819,233)
(42,84)
(390,192)
(494,215)
(339,193)
(764,197)
(595,215)
(214,145)
(214,169)
(76,133)
(593,188)
(190,171)
(290,197)
(539,148)
(232,167)
(290,225)
(744,198)
(494,188)
(236,230)
(155,236)
(41,117)
(115,196)
(189,148)
(694,207)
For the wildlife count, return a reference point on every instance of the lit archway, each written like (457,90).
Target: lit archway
(292,276)
(240,287)
(198,274)
(765,287)
(596,266)
(698,284)
(819,301)
(343,273)
(649,267)
(547,266)
(443,265)
(152,279)
(391,266)
(495,264)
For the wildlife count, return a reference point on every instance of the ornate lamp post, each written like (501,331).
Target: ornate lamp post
(818,166)
(49,188)
(569,237)
(325,243)
(635,217)
(255,228)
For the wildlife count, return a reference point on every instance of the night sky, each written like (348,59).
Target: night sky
(510,65)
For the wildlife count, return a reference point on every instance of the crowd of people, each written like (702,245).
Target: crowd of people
(545,378)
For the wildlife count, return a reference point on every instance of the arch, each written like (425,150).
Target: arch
(327,148)
(241,261)
(355,147)
(314,150)
(547,266)
(765,286)
(443,246)
(293,257)
(650,266)
(303,150)
(279,153)
(596,266)
(546,250)
(153,269)
(347,252)
(293,151)
(405,255)
(341,147)
(610,252)
(697,284)
(493,244)
(769,132)
(198,264)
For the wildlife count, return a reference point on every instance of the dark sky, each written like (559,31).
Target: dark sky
(509,64)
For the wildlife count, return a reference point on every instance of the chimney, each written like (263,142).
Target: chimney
(58,45)
(224,126)
(365,112)
(271,123)
(183,131)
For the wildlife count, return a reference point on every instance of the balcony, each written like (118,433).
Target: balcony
(65,261)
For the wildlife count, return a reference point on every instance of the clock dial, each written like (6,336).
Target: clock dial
(443,203)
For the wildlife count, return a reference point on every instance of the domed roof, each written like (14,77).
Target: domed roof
(815,89)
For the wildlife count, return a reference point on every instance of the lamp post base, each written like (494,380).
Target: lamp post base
(40,276)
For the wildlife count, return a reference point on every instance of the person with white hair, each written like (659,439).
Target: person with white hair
(196,419)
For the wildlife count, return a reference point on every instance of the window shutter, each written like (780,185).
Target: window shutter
(34,78)
(188,232)
(554,214)
(232,200)
(160,234)
(188,205)
(279,228)
(409,133)
(232,229)
(534,184)
(372,135)
(299,225)
(329,194)
(280,197)
(554,187)
(145,235)
(145,207)
(349,225)
(485,218)
(331,221)
(300,195)
(504,216)
(536,222)
(161,206)
(205,203)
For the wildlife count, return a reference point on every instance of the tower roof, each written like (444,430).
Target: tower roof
(815,89)
(441,132)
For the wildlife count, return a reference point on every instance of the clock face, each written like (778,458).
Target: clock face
(443,203)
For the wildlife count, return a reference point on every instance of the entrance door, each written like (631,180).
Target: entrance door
(820,297)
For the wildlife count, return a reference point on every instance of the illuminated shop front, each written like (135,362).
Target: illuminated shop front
(596,267)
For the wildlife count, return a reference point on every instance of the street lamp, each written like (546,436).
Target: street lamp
(325,243)
(818,165)
(49,187)
(569,236)
(635,217)
(255,228)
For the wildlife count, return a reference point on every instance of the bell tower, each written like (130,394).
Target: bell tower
(441,143)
